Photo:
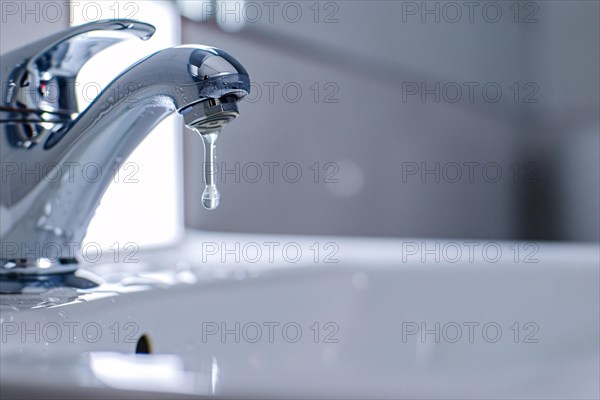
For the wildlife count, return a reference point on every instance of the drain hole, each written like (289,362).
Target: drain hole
(143,346)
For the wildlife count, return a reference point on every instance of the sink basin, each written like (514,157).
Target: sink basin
(348,318)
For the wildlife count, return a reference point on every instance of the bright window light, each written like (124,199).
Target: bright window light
(143,205)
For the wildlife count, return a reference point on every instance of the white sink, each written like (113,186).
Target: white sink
(365,309)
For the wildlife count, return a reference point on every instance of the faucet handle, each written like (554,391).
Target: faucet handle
(38,81)
(41,76)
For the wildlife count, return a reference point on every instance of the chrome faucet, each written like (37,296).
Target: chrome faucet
(46,202)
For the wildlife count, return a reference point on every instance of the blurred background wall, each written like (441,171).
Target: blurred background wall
(394,154)
(19,30)
(361,99)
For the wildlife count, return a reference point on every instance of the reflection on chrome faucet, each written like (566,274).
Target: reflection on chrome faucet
(40,124)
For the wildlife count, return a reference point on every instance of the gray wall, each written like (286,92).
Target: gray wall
(371,54)
(17,27)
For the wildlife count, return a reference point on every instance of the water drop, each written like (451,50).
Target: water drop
(210,196)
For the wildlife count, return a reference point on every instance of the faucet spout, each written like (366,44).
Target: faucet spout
(46,215)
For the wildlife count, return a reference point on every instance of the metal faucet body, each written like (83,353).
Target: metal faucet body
(57,163)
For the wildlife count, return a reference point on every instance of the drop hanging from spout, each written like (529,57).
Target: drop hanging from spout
(210,196)
(208,118)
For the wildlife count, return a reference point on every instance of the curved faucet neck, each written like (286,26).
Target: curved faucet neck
(42,213)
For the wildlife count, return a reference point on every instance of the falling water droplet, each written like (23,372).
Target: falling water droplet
(210,196)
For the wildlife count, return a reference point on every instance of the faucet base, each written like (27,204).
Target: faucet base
(31,282)
(42,266)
